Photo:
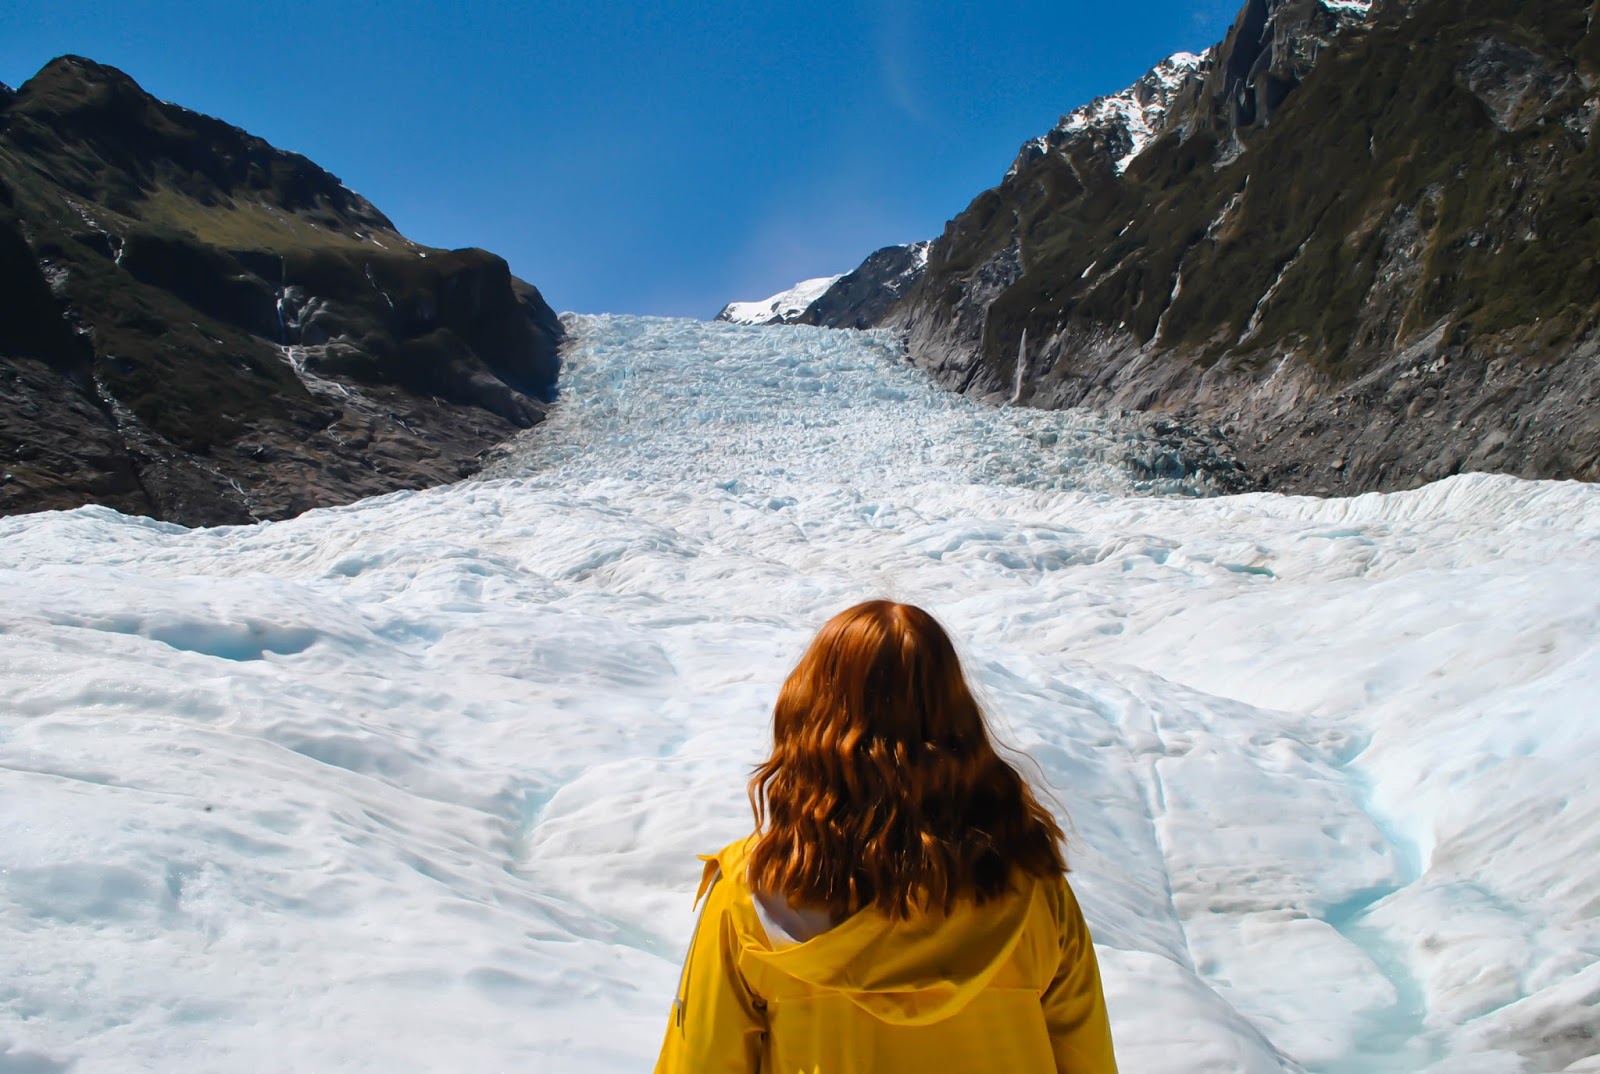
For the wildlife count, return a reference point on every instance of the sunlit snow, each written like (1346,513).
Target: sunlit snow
(1138,112)
(782,307)
(417,784)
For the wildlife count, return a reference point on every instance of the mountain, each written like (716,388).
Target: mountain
(860,299)
(207,329)
(782,308)
(1125,123)
(1357,241)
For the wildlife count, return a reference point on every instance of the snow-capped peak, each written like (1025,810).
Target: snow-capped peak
(1132,119)
(781,308)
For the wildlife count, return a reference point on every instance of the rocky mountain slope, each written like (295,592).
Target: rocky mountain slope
(203,328)
(1359,244)
(861,299)
(1124,124)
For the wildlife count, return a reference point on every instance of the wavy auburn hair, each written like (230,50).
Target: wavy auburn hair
(883,788)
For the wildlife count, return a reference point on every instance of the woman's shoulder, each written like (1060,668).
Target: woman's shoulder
(725,889)
(732,859)
(726,869)
(1054,897)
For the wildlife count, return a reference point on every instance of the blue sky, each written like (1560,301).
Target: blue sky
(658,157)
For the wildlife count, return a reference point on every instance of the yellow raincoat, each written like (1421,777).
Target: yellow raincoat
(1009,987)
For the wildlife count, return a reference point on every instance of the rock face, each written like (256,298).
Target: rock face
(864,297)
(1122,125)
(1358,243)
(208,330)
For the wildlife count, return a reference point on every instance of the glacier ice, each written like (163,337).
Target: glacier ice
(417,783)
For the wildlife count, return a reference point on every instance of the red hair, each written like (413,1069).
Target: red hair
(883,788)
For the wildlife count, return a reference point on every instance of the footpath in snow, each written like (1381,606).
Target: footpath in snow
(417,784)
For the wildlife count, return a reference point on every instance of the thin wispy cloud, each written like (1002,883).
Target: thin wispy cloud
(1211,18)
(896,33)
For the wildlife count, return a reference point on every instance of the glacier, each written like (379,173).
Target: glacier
(417,783)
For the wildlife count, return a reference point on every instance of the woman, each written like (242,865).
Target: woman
(901,906)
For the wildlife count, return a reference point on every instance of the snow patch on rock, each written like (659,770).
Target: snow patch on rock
(1129,120)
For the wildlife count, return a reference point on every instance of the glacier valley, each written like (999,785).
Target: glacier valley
(417,784)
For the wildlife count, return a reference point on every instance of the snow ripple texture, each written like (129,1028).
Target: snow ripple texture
(416,784)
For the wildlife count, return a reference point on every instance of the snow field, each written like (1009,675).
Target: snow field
(417,783)
(784,305)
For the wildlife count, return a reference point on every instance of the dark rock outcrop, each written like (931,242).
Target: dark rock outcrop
(1120,126)
(1362,249)
(207,329)
(864,297)
(1270,49)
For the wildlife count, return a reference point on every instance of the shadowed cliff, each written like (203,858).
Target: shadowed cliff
(207,329)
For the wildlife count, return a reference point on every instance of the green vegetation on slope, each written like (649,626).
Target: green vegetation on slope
(1451,146)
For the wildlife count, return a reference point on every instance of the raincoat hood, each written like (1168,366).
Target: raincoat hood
(1010,985)
(909,972)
